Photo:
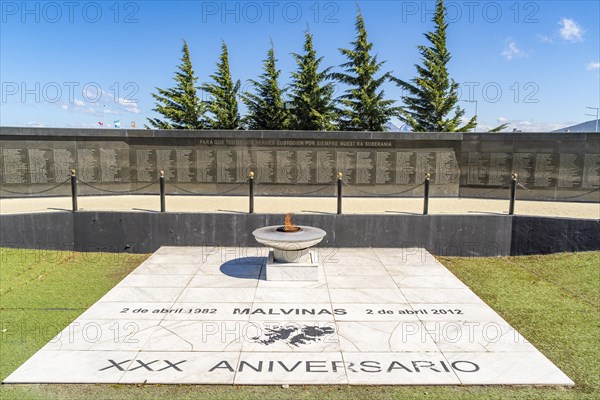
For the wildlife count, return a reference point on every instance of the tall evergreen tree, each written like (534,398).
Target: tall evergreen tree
(312,99)
(180,106)
(266,107)
(432,95)
(365,108)
(223,104)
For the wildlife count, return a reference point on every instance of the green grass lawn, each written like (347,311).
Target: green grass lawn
(554,301)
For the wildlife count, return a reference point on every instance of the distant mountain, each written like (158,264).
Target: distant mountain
(391,127)
(589,126)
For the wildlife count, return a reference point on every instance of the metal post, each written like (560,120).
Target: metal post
(426,195)
(251,192)
(339,192)
(74,190)
(513,194)
(161,183)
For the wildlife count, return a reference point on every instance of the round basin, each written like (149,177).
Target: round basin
(289,247)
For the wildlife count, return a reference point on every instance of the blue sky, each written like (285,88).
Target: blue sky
(533,64)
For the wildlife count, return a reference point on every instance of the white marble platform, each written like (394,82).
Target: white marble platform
(305,269)
(207,316)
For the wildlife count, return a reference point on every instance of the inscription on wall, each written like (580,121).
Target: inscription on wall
(535,170)
(380,166)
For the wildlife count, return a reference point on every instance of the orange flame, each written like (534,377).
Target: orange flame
(288,226)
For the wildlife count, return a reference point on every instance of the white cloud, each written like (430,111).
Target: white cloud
(93,93)
(570,30)
(129,105)
(545,39)
(593,65)
(512,51)
(525,125)
(106,105)
(35,125)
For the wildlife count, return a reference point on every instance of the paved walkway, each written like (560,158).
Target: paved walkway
(301,205)
(190,315)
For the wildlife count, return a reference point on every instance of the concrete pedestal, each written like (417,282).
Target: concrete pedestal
(305,269)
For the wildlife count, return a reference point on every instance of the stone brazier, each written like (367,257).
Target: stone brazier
(290,258)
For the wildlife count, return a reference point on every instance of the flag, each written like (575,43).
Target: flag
(133,124)
(117,124)
(100,123)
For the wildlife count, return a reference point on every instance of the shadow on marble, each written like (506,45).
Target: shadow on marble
(243,268)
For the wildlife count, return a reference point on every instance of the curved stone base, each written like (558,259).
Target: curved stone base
(289,256)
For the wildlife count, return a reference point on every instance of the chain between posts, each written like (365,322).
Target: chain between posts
(383,194)
(208,194)
(557,198)
(486,193)
(323,187)
(251,182)
(119,191)
(38,192)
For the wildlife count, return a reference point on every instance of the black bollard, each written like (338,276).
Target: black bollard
(251,192)
(339,192)
(513,194)
(426,195)
(161,183)
(74,190)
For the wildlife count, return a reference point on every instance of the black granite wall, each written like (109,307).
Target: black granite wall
(144,232)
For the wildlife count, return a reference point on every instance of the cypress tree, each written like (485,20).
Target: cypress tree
(223,104)
(180,106)
(432,95)
(365,108)
(312,99)
(266,108)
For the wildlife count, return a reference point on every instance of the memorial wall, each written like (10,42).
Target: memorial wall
(33,161)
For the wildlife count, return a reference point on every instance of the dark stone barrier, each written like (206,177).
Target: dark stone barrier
(145,232)
(550,166)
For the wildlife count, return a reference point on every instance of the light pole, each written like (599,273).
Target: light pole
(473,101)
(597,115)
